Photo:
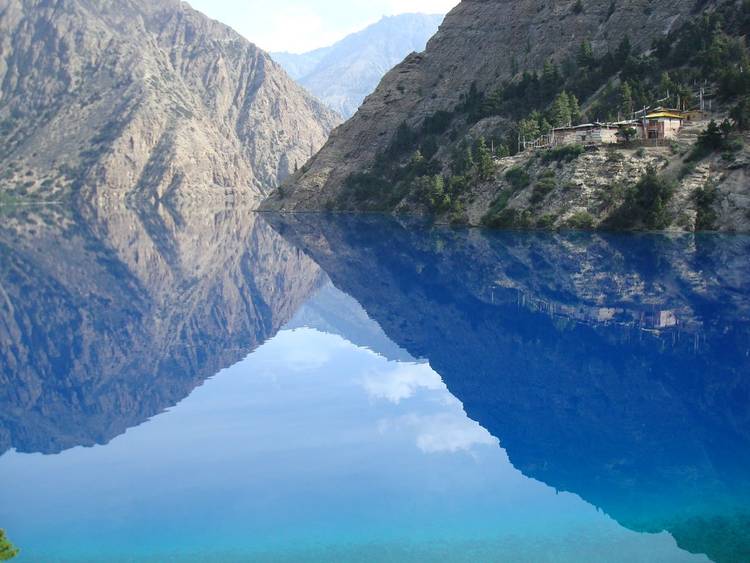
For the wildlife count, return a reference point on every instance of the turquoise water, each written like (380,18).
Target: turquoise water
(321,389)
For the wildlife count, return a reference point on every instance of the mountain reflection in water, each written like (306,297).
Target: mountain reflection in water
(376,367)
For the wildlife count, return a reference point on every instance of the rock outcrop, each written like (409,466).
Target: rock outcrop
(343,74)
(144,98)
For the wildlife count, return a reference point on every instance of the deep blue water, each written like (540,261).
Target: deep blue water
(223,386)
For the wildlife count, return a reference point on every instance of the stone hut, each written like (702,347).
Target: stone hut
(585,134)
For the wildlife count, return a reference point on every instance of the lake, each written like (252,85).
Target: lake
(220,385)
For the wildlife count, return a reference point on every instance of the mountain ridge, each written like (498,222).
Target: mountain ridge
(496,70)
(151,99)
(343,74)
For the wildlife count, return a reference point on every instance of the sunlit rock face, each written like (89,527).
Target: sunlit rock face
(108,318)
(146,99)
(614,367)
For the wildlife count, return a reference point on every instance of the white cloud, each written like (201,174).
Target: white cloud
(297,28)
(447,432)
(402,382)
(452,433)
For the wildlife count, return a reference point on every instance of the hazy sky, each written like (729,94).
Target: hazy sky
(298,26)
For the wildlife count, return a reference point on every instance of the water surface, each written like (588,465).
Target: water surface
(223,386)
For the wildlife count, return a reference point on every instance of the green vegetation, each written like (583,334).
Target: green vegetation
(645,204)
(565,153)
(542,189)
(705,198)
(508,219)
(518,178)
(581,220)
(7,550)
(423,179)
(715,138)
(546,221)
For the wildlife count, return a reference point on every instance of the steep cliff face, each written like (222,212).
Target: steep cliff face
(144,97)
(108,317)
(343,74)
(482,42)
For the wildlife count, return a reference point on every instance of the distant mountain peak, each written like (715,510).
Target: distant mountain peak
(343,74)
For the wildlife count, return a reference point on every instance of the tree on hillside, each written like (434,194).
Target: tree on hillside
(463,158)
(575,109)
(7,550)
(712,138)
(551,80)
(623,51)
(528,130)
(586,57)
(626,100)
(560,113)
(485,164)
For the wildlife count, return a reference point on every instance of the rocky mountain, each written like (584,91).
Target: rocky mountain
(148,98)
(109,316)
(613,367)
(436,135)
(343,74)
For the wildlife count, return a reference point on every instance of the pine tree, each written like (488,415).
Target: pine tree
(551,80)
(626,100)
(528,130)
(7,550)
(623,50)
(585,55)
(485,164)
(560,111)
(575,109)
